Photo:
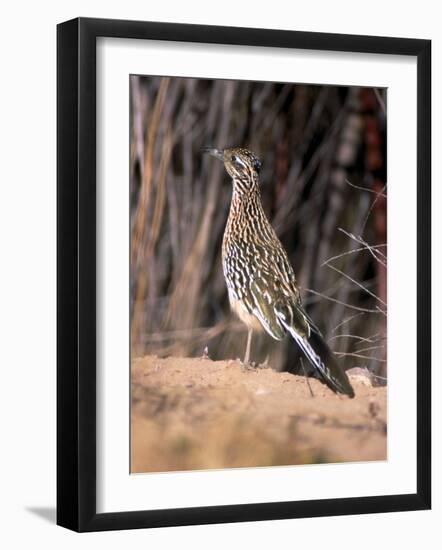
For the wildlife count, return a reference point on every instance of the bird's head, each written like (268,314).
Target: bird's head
(241,164)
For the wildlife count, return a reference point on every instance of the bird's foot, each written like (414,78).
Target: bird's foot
(248,366)
(264,364)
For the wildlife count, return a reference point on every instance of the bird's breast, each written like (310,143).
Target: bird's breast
(244,315)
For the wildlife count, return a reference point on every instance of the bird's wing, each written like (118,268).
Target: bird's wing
(309,339)
(262,301)
(258,276)
(273,281)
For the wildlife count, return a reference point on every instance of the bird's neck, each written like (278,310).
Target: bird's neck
(245,207)
(246,195)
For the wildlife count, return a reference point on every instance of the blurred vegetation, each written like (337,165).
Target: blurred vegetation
(323,184)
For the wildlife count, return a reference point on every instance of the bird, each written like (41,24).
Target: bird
(261,283)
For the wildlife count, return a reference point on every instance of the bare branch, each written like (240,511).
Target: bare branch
(361,286)
(347,321)
(364,188)
(348,354)
(380,99)
(366,310)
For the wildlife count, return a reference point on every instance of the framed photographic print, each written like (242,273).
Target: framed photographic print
(243,274)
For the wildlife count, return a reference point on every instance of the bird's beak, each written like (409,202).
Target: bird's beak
(217,153)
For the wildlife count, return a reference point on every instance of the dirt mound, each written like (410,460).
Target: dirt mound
(190,413)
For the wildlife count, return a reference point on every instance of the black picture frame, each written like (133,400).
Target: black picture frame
(77,287)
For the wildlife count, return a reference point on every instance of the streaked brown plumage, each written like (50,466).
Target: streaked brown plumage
(260,280)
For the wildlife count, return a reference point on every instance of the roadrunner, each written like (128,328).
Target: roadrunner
(261,283)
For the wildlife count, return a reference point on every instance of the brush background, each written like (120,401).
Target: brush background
(324,172)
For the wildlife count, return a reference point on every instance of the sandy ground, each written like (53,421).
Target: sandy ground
(199,414)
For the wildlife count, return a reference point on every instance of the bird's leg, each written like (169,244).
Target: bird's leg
(249,342)
(265,364)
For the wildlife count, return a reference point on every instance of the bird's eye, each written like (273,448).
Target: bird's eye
(233,158)
(257,165)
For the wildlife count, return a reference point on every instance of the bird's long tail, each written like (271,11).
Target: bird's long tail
(321,357)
